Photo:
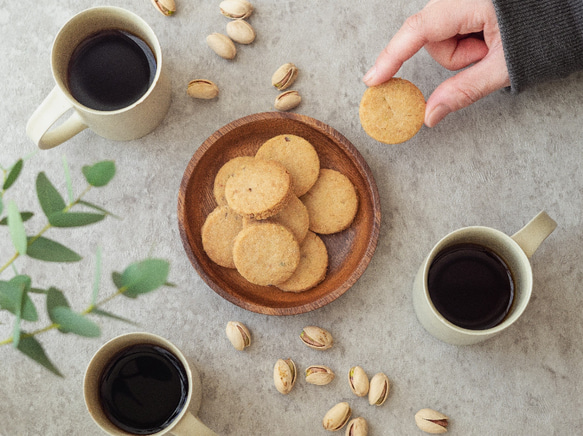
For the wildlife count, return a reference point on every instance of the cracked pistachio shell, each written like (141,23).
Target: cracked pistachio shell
(357,427)
(165,7)
(236,9)
(202,88)
(358,381)
(284,76)
(287,100)
(431,421)
(316,338)
(319,375)
(241,31)
(238,334)
(222,45)
(284,375)
(379,389)
(337,417)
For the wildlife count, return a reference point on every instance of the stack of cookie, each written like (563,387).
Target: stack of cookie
(271,208)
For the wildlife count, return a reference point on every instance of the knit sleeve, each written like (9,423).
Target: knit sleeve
(542,39)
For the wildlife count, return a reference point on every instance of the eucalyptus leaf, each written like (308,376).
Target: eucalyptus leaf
(68,179)
(102,312)
(49,198)
(10,294)
(99,174)
(13,174)
(74,219)
(33,349)
(24,216)
(97,208)
(145,276)
(51,251)
(68,320)
(16,227)
(117,279)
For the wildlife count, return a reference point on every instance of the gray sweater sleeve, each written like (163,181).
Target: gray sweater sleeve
(542,39)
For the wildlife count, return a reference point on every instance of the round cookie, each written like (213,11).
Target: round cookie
(226,171)
(312,267)
(332,202)
(297,155)
(266,254)
(259,189)
(218,234)
(392,112)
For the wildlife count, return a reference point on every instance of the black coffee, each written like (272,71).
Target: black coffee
(471,286)
(110,70)
(143,388)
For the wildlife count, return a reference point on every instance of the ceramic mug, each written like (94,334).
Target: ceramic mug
(183,423)
(514,250)
(130,122)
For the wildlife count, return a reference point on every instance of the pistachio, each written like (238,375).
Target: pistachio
(237,333)
(319,375)
(241,31)
(431,421)
(358,381)
(166,7)
(284,375)
(287,100)
(379,389)
(222,45)
(236,8)
(357,427)
(205,89)
(316,337)
(284,76)
(337,417)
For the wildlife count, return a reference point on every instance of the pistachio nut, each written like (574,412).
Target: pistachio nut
(166,7)
(287,100)
(236,9)
(379,389)
(241,31)
(205,89)
(357,427)
(431,421)
(358,381)
(284,375)
(237,332)
(316,337)
(284,76)
(222,45)
(337,417)
(319,375)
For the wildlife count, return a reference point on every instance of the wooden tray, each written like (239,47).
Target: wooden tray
(349,251)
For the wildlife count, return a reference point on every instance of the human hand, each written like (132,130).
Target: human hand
(457,34)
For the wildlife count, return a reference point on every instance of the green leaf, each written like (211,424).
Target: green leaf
(117,279)
(10,294)
(18,314)
(145,276)
(33,349)
(24,216)
(49,198)
(97,208)
(68,320)
(99,174)
(68,180)
(51,251)
(101,312)
(74,219)
(13,174)
(16,227)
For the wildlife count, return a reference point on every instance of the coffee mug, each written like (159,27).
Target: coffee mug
(477,281)
(108,68)
(140,383)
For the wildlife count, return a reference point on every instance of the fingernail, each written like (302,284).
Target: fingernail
(370,74)
(437,114)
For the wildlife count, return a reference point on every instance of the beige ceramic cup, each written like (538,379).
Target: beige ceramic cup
(185,423)
(516,251)
(131,122)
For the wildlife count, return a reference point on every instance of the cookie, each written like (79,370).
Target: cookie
(218,233)
(226,171)
(259,189)
(266,253)
(332,202)
(392,112)
(312,267)
(294,216)
(297,155)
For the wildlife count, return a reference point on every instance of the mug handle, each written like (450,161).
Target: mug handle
(49,111)
(189,425)
(534,233)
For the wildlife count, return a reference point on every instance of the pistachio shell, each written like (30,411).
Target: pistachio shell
(358,381)
(284,375)
(165,7)
(316,337)
(337,417)
(287,100)
(284,76)
(431,421)
(236,8)
(202,88)
(241,31)
(379,389)
(238,334)
(357,427)
(319,375)
(222,45)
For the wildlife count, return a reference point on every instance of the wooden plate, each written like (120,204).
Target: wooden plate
(349,251)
